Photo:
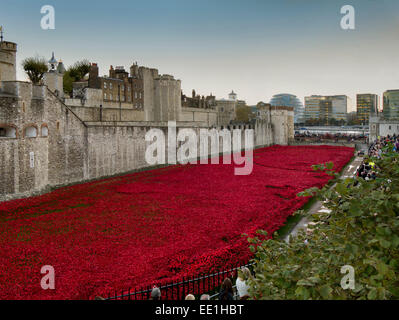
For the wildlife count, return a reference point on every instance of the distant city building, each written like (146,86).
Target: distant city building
(391,104)
(381,127)
(366,105)
(227,109)
(289,100)
(326,109)
(312,107)
(119,86)
(197,101)
(341,104)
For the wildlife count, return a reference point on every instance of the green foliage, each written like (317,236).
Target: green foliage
(35,68)
(362,231)
(68,81)
(74,73)
(243,114)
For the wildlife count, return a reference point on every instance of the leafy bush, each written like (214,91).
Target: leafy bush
(362,231)
(74,73)
(35,68)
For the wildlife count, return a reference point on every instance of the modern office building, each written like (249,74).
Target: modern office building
(341,104)
(324,109)
(391,104)
(312,107)
(366,105)
(290,100)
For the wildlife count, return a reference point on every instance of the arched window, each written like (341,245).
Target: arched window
(30,132)
(8,132)
(44,132)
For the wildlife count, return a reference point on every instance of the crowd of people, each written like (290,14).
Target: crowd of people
(368,169)
(227,291)
(329,136)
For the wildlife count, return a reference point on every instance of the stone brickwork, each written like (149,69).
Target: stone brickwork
(380,127)
(48,148)
(52,146)
(8,51)
(48,141)
(44,143)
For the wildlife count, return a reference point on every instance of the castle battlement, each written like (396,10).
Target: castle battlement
(22,90)
(8,55)
(8,46)
(48,141)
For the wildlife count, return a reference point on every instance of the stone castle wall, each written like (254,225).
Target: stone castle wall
(208,116)
(66,149)
(48,147)
(8,52)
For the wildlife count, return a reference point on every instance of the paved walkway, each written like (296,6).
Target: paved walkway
(349,172)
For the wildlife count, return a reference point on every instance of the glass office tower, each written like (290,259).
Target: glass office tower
(366,105)
(391,104)
(289,100)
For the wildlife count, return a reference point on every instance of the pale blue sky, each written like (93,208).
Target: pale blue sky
(256,47)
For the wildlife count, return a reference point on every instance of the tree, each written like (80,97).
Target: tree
(74,73)
(361,232)
(243,114)
(35,68)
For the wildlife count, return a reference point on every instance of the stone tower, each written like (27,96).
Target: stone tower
(54,78)
(8,54)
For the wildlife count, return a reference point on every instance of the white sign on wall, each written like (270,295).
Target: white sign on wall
(32,159)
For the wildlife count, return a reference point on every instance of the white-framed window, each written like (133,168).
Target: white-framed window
(31,132)
(140,95)
(122,88)
(135,95)
(105,85)
(44,131)
(105,96)
(110,86)
(129,98)
(128,89)
(110,97)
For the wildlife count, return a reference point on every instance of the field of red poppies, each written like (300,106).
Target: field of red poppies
(154,226)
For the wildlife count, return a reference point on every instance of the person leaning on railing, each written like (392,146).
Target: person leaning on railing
(241,283)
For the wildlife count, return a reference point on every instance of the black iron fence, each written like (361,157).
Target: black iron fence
(202,284)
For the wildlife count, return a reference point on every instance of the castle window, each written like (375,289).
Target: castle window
(140,95)
(44,131)
(31,132)
(105,96)
(8,132)
(105,85)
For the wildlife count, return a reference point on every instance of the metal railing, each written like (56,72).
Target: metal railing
(202,284)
